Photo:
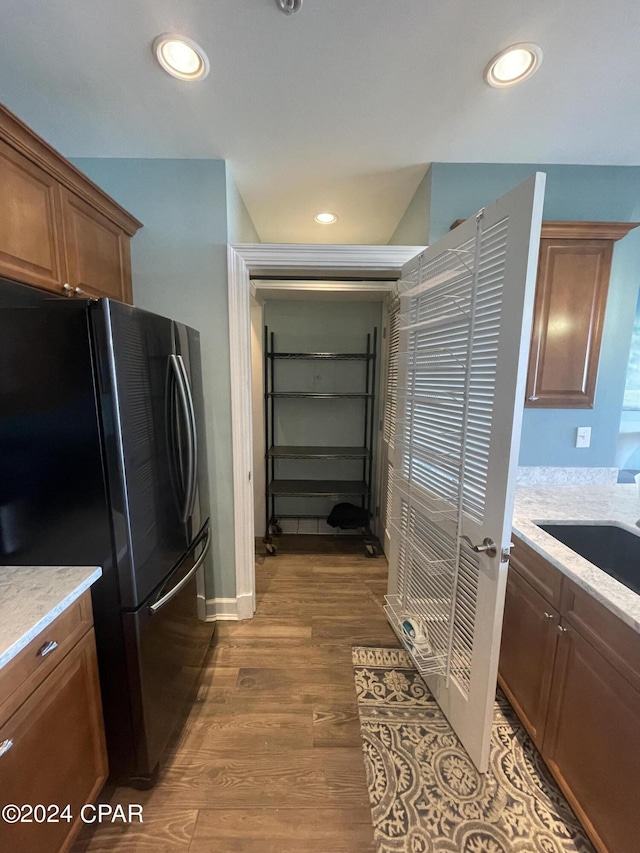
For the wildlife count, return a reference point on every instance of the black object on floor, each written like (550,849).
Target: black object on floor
(348,516)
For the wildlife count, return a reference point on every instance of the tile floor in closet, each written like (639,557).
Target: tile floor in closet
(270,759)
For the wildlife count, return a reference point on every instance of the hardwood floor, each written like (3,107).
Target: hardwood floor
(270,760)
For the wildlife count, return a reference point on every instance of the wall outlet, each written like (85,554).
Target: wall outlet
(583,436)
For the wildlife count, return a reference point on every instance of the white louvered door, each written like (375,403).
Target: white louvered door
(389,416)
(464,329)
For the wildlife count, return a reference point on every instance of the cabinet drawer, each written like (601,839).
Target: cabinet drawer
(619,643)
(54,751)
(20,677)
(543,577)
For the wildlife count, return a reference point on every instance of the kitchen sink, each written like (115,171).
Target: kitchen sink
(614,550)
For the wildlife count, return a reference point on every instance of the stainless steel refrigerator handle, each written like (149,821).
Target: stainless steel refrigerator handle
(184,397)
(185,580)
(176,475)
(194,433)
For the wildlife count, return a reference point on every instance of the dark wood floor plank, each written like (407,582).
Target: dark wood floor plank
(372,631)
(166,830)
(309,604)
(235,728)
(283,831)
(336,725)
(206,779)
(261,631)
(307,656)
(296,685)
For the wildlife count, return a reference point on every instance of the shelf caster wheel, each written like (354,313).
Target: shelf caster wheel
(271,549)
(369,550)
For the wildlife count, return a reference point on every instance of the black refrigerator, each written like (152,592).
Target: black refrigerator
(102,462)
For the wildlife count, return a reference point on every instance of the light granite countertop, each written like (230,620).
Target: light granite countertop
(32,596)
(615,504)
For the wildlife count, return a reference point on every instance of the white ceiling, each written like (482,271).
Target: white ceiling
(341,106)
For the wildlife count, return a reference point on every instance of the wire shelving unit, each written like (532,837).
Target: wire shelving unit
(354,490)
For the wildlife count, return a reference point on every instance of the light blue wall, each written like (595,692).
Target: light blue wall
(240,227)
(593,193)
(413,228)
(180,270)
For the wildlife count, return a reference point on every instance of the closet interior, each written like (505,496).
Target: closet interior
(317,371)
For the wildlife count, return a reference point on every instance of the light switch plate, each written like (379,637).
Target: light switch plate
(583,436)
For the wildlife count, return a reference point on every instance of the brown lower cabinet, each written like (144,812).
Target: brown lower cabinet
(592,743)
(529,638)
(581,704)
(57,761)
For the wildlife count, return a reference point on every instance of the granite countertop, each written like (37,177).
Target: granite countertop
(32,596)
(618,504)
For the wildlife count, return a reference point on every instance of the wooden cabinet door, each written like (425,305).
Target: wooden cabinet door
(30,222)
(592,743)
(571,297)
(527,653)
(58,754)
(97,251)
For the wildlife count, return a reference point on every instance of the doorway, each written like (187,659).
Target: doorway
(339,267)
(319,354)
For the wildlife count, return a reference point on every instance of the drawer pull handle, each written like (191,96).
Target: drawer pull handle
(561,630)
(5,746)
(49,647)
(548,616)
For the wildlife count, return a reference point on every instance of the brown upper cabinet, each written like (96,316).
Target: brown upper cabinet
(574,265)
(58,230)
(571,297)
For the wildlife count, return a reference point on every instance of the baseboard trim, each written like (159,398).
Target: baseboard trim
(229,609)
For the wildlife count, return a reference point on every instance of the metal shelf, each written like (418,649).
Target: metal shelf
(312,356)
(360,458)
(318,395)
(431,662)
(301,452)
(312,488)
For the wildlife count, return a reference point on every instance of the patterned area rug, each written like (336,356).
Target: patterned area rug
(426,795)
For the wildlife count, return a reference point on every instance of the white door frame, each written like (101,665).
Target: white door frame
(286,259)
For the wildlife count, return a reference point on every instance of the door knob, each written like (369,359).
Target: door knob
(67,287)
(488,546)
(548,616)
(561,630)
(79,291)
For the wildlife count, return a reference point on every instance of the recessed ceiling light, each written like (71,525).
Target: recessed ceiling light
(326,218)
(513,65)
(181,57)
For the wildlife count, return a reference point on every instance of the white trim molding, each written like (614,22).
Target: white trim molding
(228,609)
(245,261)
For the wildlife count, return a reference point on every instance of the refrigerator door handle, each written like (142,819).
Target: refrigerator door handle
(187,408)
(154,608)
(191,494)
(176,473)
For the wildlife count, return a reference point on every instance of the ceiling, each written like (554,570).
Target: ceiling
(338,107)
